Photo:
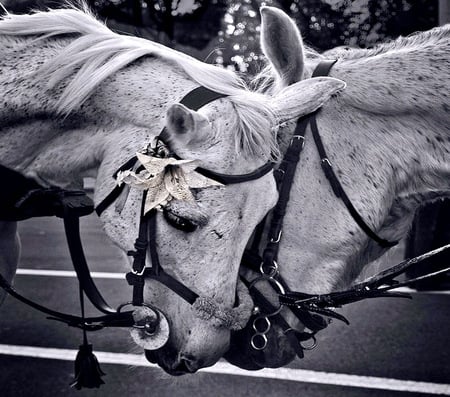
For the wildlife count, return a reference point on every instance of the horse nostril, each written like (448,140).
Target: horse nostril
(187,363)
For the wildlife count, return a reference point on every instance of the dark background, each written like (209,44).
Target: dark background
(227,32)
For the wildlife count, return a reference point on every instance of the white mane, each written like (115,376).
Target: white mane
(98,53)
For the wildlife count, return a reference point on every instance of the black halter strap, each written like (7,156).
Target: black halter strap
(323,69)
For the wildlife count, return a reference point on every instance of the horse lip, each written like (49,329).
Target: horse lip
(152,358)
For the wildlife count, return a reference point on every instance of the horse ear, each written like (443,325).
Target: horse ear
(282,44)
(184,124)
(305,97)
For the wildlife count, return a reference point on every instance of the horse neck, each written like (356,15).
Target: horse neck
(389,158)
(409,78)
(399,100)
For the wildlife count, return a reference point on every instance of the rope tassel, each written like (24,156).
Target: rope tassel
(87,369)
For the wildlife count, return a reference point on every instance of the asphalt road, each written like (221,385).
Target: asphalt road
(387,339)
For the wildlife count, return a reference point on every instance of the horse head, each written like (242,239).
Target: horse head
(387,140)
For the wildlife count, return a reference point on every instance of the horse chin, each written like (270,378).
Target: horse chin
(277,353)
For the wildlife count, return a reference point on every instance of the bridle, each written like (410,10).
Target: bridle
(313,311)
(146,240)
(71,205)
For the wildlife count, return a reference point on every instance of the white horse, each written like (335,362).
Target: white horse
(78,100)
(388,138)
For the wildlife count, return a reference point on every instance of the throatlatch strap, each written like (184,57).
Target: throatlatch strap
(323,69)
(339,190)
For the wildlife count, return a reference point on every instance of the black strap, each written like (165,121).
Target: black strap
(285,178)
(323,69)
(232,179)
(136,278)
(71,225)
(172,283)
(377,286)
(200,97)
(194,100)
(123,319)
(339,190)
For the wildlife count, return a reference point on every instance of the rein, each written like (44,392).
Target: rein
(311,310)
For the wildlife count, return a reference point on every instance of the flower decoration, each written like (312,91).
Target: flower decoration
(165,179)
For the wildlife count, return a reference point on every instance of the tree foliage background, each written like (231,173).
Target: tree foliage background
(226,32)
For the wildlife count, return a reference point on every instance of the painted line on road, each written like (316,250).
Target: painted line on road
(223,368)
(121,276)
(67,273)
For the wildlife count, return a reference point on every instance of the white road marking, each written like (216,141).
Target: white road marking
(121,276)
(223,368)
(67,273)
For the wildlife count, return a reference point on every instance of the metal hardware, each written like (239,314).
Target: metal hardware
(298,137)
(254,343)
(326,160)
(266,323)
(277,240)
(279,287)
(312,346)
(273,269)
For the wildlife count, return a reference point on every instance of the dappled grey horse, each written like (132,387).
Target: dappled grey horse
(387,138)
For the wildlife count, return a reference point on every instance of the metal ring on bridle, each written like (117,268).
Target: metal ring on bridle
(267,325)
(271,280)
(312,346)
(273,269)
(255,344)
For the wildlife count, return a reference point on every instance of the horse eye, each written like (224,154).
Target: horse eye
(179,222)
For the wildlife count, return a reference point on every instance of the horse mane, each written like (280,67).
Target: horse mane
(96,53)
(415,40)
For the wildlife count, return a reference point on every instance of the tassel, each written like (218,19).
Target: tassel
(87,369)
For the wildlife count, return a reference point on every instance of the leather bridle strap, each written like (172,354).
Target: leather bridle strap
(285,178)
(339,190)
(323,69)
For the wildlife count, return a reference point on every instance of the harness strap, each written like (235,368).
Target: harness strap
(285,177)
(323,69)
(72,228)
(123,319)
(339,190)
